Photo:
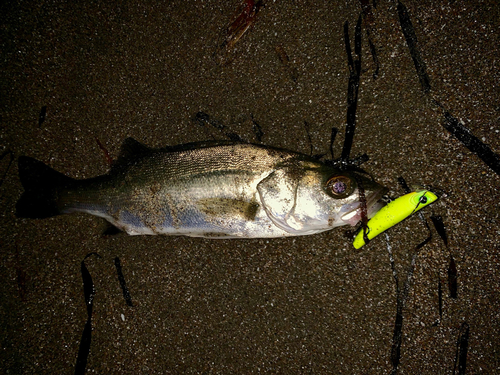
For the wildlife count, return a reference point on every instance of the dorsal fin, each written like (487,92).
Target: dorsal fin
(130,151)
(131,148)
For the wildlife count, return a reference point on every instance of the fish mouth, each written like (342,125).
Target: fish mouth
(374,203)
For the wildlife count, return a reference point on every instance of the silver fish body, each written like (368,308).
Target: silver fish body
(228,190)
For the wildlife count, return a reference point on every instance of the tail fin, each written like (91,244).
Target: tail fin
(42,185)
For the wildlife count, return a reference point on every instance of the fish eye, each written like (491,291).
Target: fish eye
(339,186)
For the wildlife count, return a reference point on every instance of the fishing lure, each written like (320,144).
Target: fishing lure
(393,213)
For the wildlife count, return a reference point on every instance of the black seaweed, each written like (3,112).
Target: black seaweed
(41,117)
(89,293)
(123,284)
(462,346)
(352,88)
(411,41)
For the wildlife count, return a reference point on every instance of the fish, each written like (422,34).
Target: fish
(218,189)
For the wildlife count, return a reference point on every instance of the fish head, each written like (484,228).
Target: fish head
(318,198)
(352,193)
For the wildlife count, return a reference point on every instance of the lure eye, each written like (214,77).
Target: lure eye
(339,186)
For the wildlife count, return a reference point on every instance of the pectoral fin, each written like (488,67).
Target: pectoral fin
(228,208)
(278,193)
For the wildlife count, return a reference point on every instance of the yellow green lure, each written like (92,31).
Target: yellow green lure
(395,212)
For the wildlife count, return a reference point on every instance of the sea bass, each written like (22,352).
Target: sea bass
(211,190)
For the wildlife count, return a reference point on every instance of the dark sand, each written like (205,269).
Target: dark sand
(299,305)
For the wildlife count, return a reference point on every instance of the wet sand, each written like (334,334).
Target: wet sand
(297,305)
